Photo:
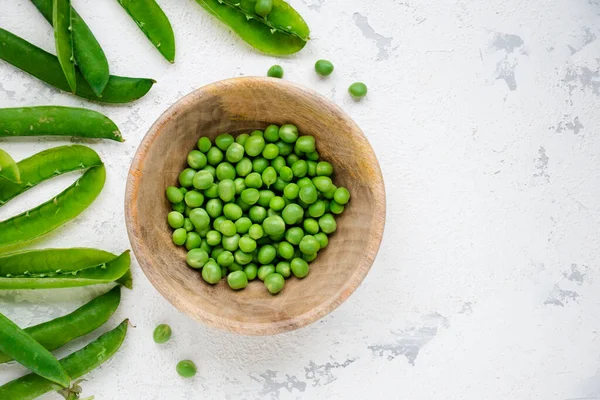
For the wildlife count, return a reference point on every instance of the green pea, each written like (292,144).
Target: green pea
(211,170)
(299,268)
(213,238)
(286,173)
(243,167)
(241,257)
(263,7)
(279,185)
(285,149)
(306,144)
(294,235)
(247,244)
(270,151)
(276,71)
(254,145)
(196,159)
(226,190)
(265,271)
(312,168)
(309,257)
(225,171)
(196,258)
(317,209)
(216,251)
(174,195)
(232,211)
(203,232)
(194,199)
(218,221)
(250,196)
(187,225)
(341,195)
(256,231)
(309,194)
(225,259)
(277,203)
(237,280)
(240,185)
(324,67)
(227,228)
(266,254)
(292,214)
(259,164)
(274,225)
(273,213)
(292,158)
(336,207)
(265,197)
(253,181)
(309,245)
(274,283)
(187,211)
(183,190)
(284,269)
(269,176)
(193,241)
(322,239)
(243,224)
(285,251)
(257,132)
(251,271)
(214,207)
(162,333)
(327,224)
(358,90)
(204,144)
(298,152)
(203,180)
(277,163)
(223,141)
(179,236)
(231,243)
(311,226)
(257,214)
(214,156)
(200,218)
(324,168)
(186,177)
(300,168)
(186,368)
(272,133)
(235,152)
(205,246)
(330,193)
(235,266)
(241,139)
(224,272)
(243,205)
(175,219)
(322,183)
(288,133)
(291,191)
(212,192)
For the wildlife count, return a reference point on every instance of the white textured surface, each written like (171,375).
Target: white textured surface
(485,117)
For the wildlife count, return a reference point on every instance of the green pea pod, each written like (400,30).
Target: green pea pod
(20,346)
(86,319)
(79,363)
(45,66)
(48,164)
(90,57)
(61,20)
(281,32)
(9,169)
(57,121)
(152,20)
(55,212)
(62,268)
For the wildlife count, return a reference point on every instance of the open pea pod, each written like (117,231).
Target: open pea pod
(283,31)
(46,67)
(52,214)
(62,268)
(79,363)
(9,169)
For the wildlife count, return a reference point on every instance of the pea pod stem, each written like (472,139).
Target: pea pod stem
(57,121)
(151,19)
(90,57)
(20,346)
(63,268)
(52,214)
(45,66)
(9,170)
(79,363)
(47,164)
(61,20)
(86,319)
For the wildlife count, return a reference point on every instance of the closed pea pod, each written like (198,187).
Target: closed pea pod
(61,20)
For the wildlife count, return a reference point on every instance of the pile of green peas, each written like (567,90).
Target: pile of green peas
(260,205)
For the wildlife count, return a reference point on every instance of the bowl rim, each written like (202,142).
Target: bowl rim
(213,320)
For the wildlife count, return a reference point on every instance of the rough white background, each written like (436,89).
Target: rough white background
(485,118)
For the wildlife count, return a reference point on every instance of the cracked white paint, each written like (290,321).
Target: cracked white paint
(484,116)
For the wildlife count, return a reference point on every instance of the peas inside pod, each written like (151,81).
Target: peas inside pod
(259,205)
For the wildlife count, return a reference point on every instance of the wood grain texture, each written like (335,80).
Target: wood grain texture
(239,105)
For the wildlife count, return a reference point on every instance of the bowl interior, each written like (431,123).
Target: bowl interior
(239,105)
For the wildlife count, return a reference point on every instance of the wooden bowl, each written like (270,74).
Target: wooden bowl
(238,105)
